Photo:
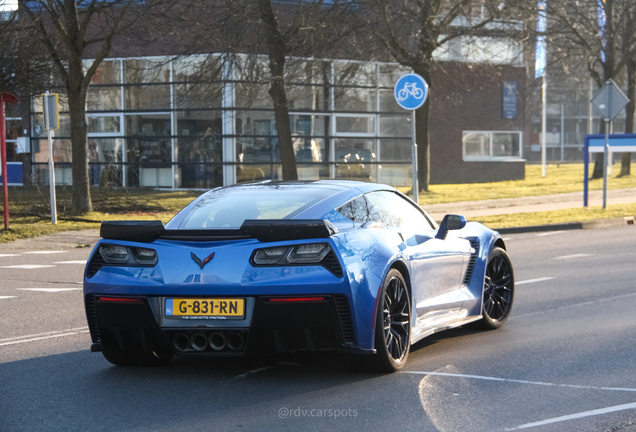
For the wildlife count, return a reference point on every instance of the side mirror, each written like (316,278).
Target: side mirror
(450,222)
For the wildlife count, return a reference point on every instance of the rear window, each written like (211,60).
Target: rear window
(229,208)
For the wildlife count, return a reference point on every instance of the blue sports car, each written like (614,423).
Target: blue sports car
(277,267)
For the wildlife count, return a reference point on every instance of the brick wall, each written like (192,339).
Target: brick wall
(470,97)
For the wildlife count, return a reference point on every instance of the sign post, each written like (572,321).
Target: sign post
(51,123)
(411,91)
(5,98)
(608,101)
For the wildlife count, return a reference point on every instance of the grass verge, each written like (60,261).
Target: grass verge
(559,179)
(557,216)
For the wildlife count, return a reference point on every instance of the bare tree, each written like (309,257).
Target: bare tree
(411,31)
(599,36)
(71,32)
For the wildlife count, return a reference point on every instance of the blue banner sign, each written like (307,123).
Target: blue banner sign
(509,99)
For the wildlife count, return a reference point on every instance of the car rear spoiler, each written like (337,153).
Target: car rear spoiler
(265,230)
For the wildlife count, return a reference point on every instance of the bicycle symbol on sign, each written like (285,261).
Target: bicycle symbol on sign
(410,89)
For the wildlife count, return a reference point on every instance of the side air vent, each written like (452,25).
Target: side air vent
(96,263)
(331,263)
(344,318)
(471,262)
(92,317)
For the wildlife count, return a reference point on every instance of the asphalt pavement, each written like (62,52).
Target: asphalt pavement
(564,357)
(565,360)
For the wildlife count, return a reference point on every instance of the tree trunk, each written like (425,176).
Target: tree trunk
(626,161)
(599,159)
(76,93)
(276,48)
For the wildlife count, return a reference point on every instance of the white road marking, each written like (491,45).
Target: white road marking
(506,238)
(573,256)
(8,255)
(516,381)
(527,281)
(44,252)
(577,416)
(27,266)
(43,337)
(72,262)
(44,334)
(550,233)
(6,297)
(53,290)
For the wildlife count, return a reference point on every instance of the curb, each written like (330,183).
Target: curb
(591,224)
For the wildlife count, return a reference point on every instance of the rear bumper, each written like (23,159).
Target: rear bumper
(269,327)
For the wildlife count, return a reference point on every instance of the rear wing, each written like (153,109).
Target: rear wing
(264,230)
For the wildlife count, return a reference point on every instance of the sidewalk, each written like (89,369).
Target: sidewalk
(472,209)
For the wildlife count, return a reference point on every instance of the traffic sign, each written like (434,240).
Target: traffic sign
(609,100)
(50,103)
(411,91)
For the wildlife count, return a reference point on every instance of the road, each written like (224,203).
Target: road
(565,360)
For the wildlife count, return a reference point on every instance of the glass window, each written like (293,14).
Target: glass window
(353,155)
(108,72)
(309,125)
(229,208)
(151,143)
(252,96)
(360,210)
(505,144)
(354,99)
(152,97)
(390,73)
(103,124)
(146,71)
(397,212)
(476,144)
(394,150)
(395,126)
(62,151)
(199,161)
(206,123)
(387,101)
(148,125)
(358,125)
(103,99)
(104,157)
(307,97)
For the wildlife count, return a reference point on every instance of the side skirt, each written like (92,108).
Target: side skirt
(455,324)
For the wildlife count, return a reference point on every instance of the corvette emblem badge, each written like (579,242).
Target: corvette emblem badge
(198,260)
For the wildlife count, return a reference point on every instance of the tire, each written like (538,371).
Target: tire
(392,326)
(136,358)
(499,287)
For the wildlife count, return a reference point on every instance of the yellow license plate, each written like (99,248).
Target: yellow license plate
(205,307)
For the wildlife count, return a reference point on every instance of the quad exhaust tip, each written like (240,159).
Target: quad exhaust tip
(217,341)
(234,341)
(181,342)
(198,341)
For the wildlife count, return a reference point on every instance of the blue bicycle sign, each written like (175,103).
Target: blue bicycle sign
(411,91)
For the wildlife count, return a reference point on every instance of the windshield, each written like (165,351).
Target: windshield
(230,207)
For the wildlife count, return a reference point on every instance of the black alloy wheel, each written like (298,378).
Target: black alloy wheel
(499,284)
(393,325)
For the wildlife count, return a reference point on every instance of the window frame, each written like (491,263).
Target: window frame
(490,157)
